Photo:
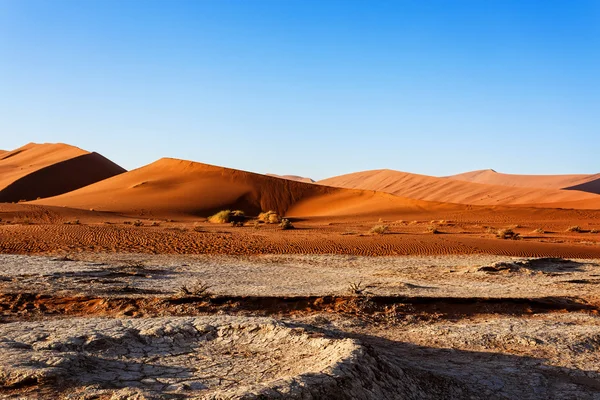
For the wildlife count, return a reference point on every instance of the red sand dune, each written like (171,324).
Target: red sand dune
(177,187)
(44,170)
(586,183)
(293,178)
(430,188)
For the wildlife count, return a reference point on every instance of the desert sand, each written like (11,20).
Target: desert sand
(42,170)
(430,188)
(121,287)
(293,178)
(582,182)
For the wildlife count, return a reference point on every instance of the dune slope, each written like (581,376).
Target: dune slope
(44,170)
(491,177)
(453,191)
(177,187)
(293,178)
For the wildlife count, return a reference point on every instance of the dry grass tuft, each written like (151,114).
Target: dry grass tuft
(433,229)
(575,228)
(195,289)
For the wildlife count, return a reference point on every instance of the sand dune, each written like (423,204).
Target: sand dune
(430,188)
(177,187)
(586,183)
(44,170)
(292,178)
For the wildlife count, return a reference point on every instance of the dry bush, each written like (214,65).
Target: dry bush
(575,228)
(198,229)
(379,229)
(237,224)
(155,223)
(222,217)
(594,231)
(194,289)
(433,229)
(539,230)
(269,217)
(286,224)
(356,288)
(75,222)
(138,223)
(507,233)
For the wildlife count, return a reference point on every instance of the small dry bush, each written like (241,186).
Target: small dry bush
(286,224)
(433,229)
(237,224)
(198,229)
(379,229)
(575,228)
(356,288)
(194,289)
(138,223)
(269,217)
(594,231)
(507,233)
(75,222)
(222,217)
(539,230)
(155,223)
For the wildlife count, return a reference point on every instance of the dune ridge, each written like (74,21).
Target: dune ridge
(179,187)
(583,182)
(43,170)
(293,178)
(445,190)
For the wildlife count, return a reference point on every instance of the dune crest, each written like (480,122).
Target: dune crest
(48,169)
(446,190)
(574,181)
(293,178)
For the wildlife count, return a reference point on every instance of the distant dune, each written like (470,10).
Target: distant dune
(489,176)
(44,170)
(177,187)
(455,191)
(293,178)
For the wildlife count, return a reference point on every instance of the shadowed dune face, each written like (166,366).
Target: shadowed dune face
(178,187)
(44,170)
(581,182)
(452,191)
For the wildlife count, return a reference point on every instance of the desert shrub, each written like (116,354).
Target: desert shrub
(127,222)
(574,229)
(74,222)
(507,234)
(256,225)
(198,229)
(194,289)
(269,217)
(222,217)
(539,230)
(286,224)
(432,229)
(155,223)
(356,288)
(594,231)
(138,223)
(379,229)
(237,224)
(227,216)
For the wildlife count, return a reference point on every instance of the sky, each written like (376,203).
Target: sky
(312,88)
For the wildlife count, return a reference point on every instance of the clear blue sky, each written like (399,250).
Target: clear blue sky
(315,88)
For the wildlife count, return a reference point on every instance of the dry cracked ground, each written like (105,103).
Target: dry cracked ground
(127,326)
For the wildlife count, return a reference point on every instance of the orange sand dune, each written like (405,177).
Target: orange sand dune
(586,183)
(177,187)
(293,178)
(430,188)
(43,170)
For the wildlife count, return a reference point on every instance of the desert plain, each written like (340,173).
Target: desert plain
(120,284)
